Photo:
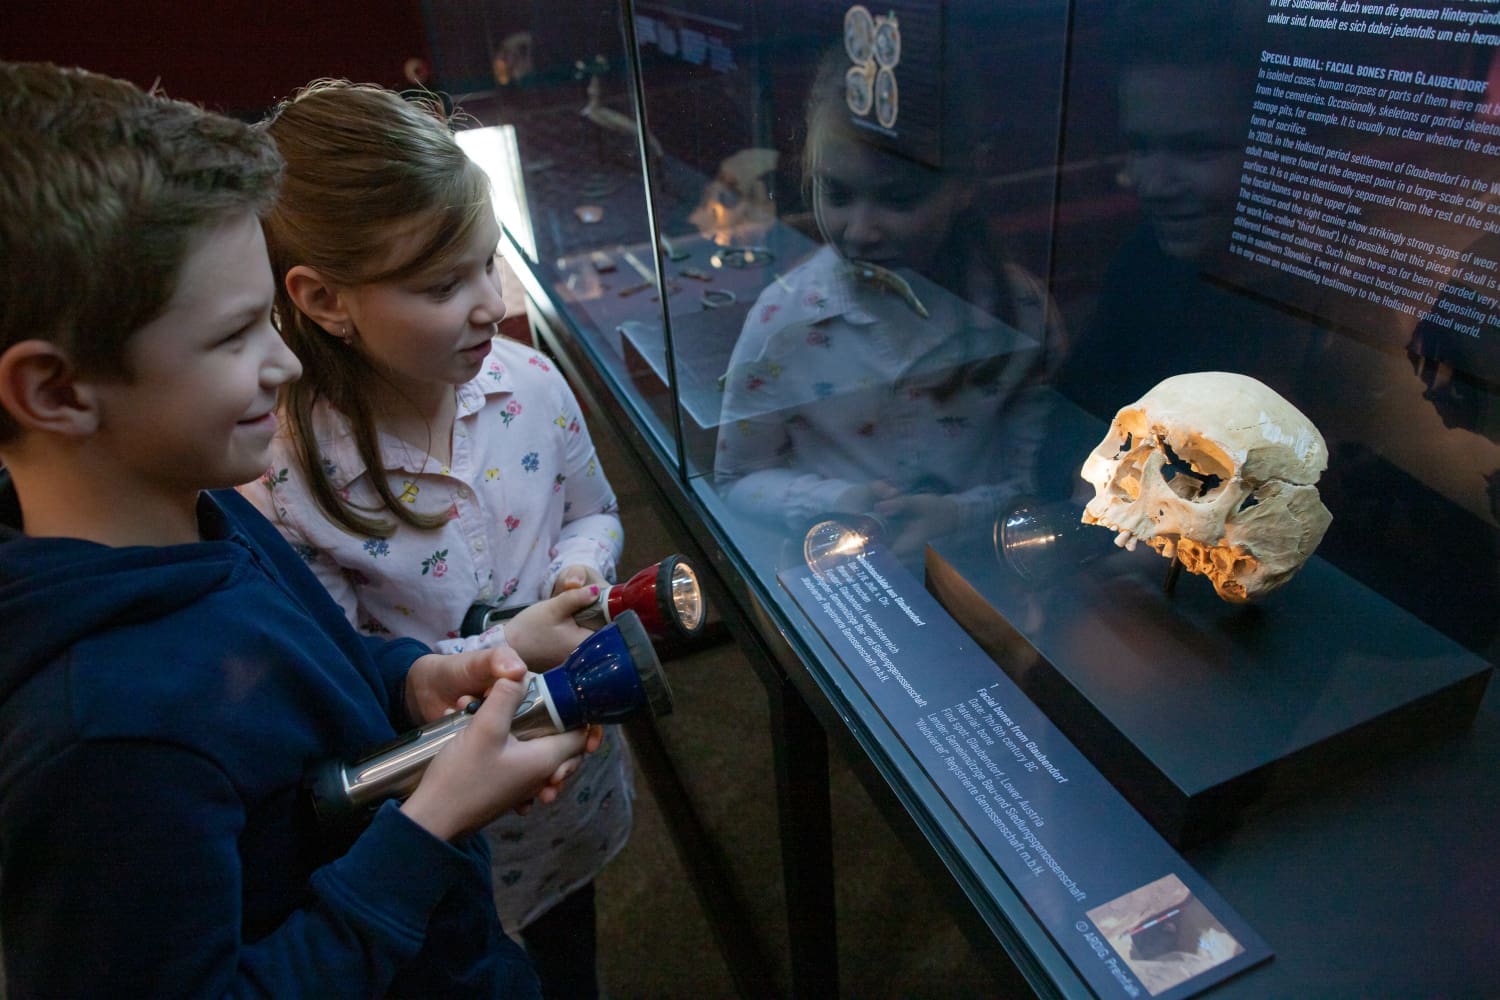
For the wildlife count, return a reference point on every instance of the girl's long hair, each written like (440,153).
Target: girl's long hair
(365,167)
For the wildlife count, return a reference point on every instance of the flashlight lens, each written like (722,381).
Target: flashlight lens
(687,597)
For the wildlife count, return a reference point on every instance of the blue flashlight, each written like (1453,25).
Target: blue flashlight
(611,676)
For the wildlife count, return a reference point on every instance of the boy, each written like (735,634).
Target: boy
(170,667)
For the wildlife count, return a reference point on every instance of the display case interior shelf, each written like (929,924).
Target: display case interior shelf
(1198,710)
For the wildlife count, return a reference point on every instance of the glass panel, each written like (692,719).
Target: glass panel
(551,85)
(861,203)
(706,71)
(905,278)
(916,257)
(1304,196)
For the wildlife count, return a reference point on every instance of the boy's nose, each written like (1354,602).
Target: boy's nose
(1154,174)
(282,365)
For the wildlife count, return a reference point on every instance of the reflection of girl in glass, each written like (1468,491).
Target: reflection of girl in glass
(895,370)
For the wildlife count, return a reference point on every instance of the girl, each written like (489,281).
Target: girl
(860,383)
(426,465)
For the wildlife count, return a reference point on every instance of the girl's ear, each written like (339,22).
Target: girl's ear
(318,300)
(41,390)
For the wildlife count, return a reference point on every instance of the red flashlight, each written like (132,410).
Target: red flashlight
(666,595)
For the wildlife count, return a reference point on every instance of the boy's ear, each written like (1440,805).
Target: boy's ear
(318,300)
(41,390)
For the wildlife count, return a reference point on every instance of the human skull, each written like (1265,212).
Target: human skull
(1217,470)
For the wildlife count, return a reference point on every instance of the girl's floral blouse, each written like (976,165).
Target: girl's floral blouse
(524,496)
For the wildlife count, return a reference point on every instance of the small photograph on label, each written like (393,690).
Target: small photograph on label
(1164,933)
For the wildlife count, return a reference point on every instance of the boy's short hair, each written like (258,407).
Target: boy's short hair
(102,187)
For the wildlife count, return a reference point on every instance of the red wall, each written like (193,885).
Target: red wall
(238,56)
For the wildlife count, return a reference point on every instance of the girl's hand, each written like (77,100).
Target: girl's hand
(858,499)
(485,771)
(438,684)
(593,737)
(545,633)
(917,519)
(578,575)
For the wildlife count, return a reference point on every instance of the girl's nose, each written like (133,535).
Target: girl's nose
(863,229)
(491,306)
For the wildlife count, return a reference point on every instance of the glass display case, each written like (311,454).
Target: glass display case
(911,287)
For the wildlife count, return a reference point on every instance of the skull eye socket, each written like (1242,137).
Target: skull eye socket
(1184,480)
(1126,445)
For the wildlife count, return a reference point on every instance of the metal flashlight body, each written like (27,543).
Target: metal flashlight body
(611,676)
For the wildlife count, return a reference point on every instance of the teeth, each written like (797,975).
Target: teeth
(1127,540)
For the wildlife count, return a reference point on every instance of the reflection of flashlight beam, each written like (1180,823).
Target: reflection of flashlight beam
(1038,542)
(852,543)
(839,538)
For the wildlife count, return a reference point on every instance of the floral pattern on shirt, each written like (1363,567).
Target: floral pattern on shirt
(525,496)
(437,564)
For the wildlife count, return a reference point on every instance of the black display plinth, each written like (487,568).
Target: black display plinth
(1199,710)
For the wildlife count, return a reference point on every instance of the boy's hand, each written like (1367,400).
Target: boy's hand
(545,633)
(578,575)
(438,684)
(485,771)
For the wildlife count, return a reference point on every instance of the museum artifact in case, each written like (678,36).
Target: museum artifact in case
(1217,473)
(877,289)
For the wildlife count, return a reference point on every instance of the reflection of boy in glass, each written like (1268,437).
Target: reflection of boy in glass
(1185,84)
(860,382)
(1185,133)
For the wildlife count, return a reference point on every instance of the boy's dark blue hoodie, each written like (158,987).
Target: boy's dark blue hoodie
(158,710)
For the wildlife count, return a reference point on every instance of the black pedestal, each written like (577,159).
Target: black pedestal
(1196,709)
